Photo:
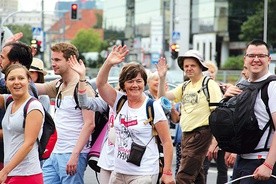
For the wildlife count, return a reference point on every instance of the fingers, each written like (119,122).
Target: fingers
(71,169)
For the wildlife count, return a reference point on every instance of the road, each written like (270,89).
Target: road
(90,177)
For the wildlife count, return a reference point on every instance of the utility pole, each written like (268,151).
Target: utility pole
(265,21)
(43,35)
(130,28)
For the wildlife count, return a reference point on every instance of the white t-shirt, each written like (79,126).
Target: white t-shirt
(106,159)
(263,117)
(130,126)
(13,135)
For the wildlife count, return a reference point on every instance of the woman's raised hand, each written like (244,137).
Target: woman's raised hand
(117,55)
(162,67)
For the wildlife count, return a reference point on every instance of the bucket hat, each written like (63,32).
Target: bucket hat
(192,54)
(37,66)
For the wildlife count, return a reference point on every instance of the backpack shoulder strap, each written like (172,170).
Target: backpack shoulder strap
(8,101)
(120,103)
(205,88)
(26,108)
(184,86)
(150,115)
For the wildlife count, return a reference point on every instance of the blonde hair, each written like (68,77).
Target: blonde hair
(212,65)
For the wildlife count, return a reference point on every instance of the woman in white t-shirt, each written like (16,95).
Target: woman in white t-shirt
(21,159)
(131,122)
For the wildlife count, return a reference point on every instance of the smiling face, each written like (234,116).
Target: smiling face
(135,86)
(257,60)
(17,81)
(192,68)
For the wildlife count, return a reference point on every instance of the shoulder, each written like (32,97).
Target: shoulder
(34,105)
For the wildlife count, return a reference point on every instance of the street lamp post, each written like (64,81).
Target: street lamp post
(265,21)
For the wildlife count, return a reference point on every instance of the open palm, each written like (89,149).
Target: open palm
(79,67)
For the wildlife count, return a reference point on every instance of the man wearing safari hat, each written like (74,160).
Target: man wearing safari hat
(195,111)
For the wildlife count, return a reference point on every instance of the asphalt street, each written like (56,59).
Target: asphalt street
(90,177)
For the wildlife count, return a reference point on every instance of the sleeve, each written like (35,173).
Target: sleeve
(214,92)
(92,103)
(51,88)
(159,114)
(177,92)
(271,96)
(36,105)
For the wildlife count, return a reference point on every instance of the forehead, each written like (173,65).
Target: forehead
(252,49)
(6,50)
(57,55)
(190,61)
(17,72)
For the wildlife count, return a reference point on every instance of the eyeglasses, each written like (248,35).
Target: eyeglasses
(261,56)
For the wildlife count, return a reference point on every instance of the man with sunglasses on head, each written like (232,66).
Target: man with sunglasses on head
(260,164)
(68,160)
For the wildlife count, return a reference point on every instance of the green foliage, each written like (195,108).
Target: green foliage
(87,40)
(26,29)
(253,26)
(233,63)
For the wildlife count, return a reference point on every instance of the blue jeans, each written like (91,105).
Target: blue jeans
(54,169)
(244,167)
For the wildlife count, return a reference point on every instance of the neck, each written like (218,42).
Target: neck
(136,102)
(195,79)
(69,77)
(20,99)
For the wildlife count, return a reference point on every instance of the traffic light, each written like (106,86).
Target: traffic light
(74,11)
(37,45)
(174,50)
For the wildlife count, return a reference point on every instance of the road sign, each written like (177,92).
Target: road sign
(36,31)
(154,58)
(175,35)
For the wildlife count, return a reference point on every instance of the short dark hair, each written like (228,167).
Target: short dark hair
(20,53)
(130,71)
(67,49)
(257,42)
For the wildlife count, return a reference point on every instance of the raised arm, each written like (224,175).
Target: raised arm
(91,103)
(107,92)
(162,68)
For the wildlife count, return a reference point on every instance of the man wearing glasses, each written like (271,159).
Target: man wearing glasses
(68,160)
(260,164)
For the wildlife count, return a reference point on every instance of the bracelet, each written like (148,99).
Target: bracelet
(82,80)
(268,166)
(82,91)
(169,173)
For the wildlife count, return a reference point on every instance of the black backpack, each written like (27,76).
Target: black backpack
(48,138)
(234,124)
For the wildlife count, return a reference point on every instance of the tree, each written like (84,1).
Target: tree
(87,40)
(253,27)
(26,29)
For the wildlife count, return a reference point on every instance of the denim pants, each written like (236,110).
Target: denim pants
(54,169)
(194,147)
(244,167)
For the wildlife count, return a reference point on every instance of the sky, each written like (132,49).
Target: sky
(29,5)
